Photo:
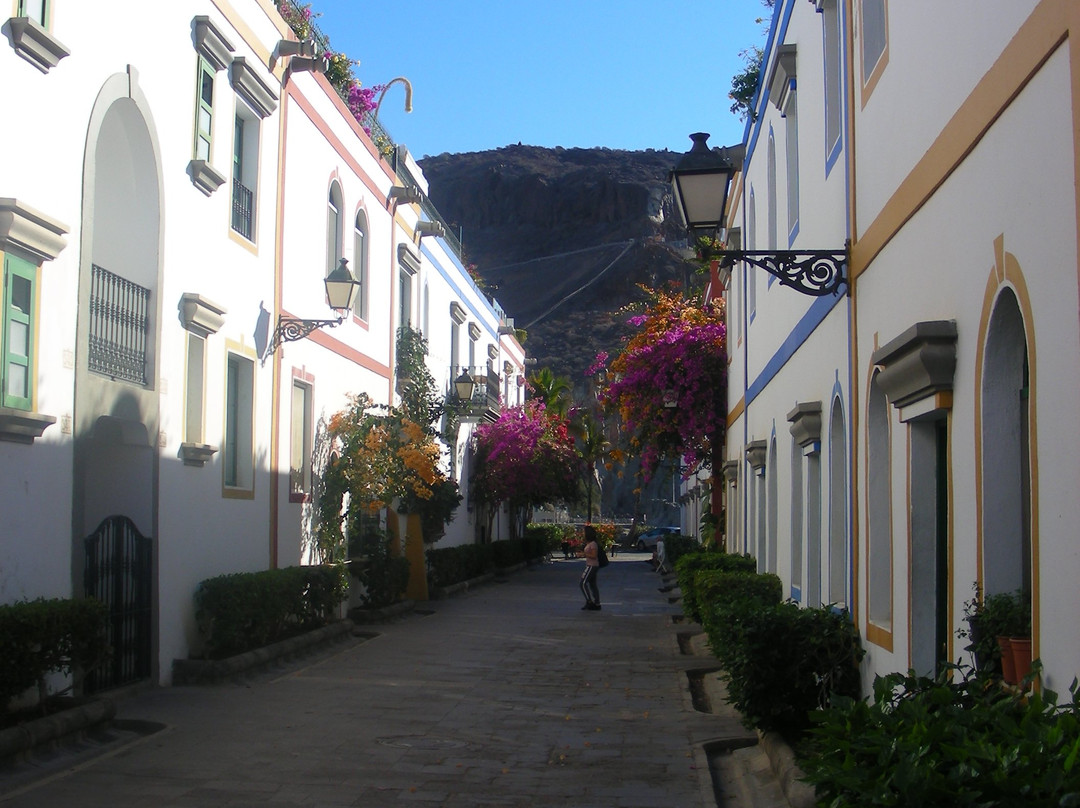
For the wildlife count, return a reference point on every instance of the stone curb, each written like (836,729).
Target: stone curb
(799,793)
(50,730)
(210,671)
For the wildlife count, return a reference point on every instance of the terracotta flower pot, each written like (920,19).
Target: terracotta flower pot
(1008,665)
(1021,655)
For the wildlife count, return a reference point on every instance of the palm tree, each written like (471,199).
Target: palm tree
(554,391)
(593,446)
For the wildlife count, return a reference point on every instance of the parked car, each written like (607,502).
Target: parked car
(648,539)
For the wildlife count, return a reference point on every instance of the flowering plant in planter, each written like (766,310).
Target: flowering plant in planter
(668,385)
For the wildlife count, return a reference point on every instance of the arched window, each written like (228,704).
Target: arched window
(360,263)
(838,489)
(333,228)
(796,519)
(879,508)
(1006,478)
(773,494)
(771,201)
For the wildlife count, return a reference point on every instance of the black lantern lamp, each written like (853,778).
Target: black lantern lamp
(700,182)
(465,386)
(341,291)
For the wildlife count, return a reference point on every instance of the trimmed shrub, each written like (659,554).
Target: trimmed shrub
(689,564)
(780,661)
(676,545)
(43,636)
(450,565)
(246,610)
(957,740)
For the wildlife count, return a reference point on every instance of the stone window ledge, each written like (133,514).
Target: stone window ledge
(35,44)
(22,426)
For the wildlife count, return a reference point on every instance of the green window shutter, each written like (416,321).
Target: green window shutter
(20,281)
(204,111)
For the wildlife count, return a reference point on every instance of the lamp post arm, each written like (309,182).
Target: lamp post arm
(290,329)
(812,272)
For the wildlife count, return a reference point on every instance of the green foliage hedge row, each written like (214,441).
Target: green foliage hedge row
(689,564)
(780,661)
(247,610)
(957,740)
(451,565)
(42,636)
(676,545)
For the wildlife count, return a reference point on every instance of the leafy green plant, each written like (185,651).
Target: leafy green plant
(957,740)
(782,662)
(246,610)
(43,636)
(383,575)
(705,558)
(1006,614)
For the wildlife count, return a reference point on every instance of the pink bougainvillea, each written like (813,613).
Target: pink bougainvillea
(668,384)
(525,458)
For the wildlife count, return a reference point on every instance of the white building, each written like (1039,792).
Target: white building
(174,191)
(891,447)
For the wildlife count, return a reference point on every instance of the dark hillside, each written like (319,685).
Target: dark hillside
(562,237)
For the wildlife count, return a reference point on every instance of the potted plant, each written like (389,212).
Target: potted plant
(994,621)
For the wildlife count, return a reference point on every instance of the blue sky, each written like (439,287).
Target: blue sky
(626,74)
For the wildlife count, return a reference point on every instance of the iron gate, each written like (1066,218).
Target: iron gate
(118,573)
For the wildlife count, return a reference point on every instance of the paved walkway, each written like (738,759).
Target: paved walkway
(509,695)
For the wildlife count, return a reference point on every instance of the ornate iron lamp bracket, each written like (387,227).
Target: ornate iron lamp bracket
(290,329)
(814,272)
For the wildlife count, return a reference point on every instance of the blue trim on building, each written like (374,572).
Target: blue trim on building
(815,315)
(462,297)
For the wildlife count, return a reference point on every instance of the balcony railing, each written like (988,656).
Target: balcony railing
(242,198)
(486,400)
(119,323)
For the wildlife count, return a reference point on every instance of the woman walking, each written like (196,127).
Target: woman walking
(589,586)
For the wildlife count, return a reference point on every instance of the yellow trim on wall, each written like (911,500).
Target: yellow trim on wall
(1048,26)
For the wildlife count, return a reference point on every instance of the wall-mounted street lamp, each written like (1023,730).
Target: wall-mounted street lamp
(700,182)
(465,386)
(341,291)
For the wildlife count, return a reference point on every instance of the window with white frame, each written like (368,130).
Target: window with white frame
(238,461)
(360,263)
(204,109)
(875,38)
(791,147)
(404,297)
(771,189)
(194,389)
(300,440)
(19,333)
(333,227)
(830,21)
(750,273)
(37,10)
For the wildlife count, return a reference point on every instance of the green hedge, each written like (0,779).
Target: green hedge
(676,545)
(43,636)
(689,564)
(247,610)
(956,741)
(781,662)
(451,565)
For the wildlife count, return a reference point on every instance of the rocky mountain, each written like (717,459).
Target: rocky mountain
(562,237)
